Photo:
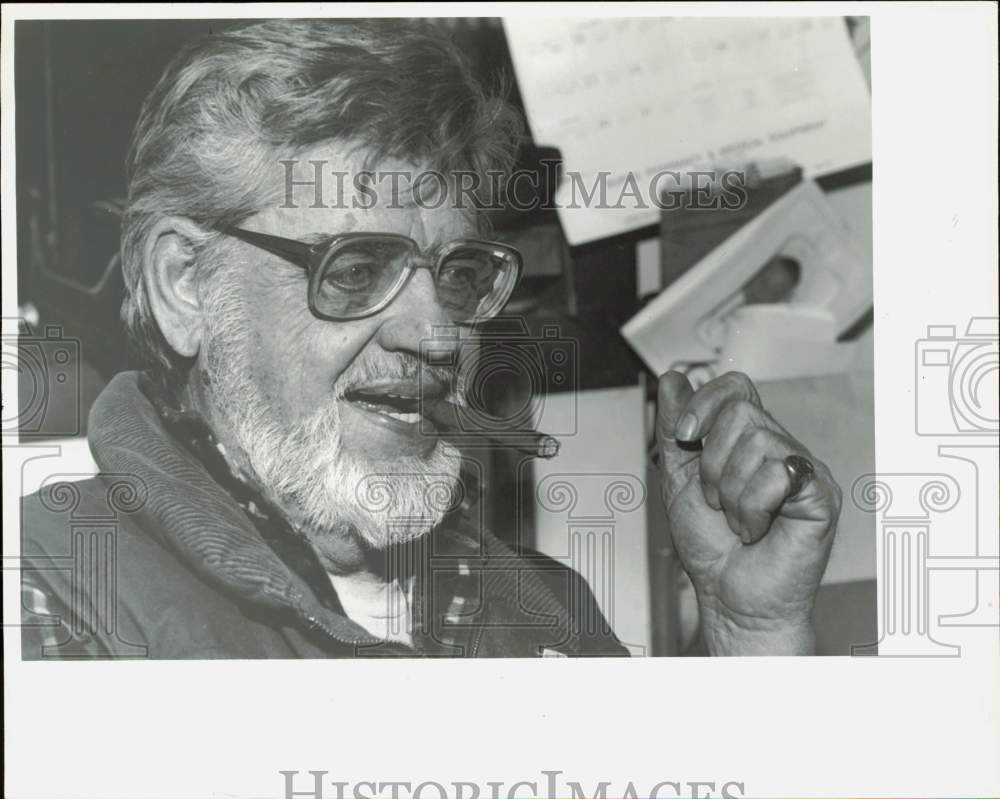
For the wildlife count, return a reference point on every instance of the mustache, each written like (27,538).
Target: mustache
(397,366)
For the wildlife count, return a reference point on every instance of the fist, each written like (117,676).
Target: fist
(754,544)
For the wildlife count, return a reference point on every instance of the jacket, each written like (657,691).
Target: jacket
(155,558)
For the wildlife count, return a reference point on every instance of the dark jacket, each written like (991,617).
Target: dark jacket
(154,558)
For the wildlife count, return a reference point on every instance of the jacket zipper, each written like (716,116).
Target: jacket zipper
(479,637)
(316,624)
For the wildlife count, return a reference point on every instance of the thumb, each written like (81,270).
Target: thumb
(674,391)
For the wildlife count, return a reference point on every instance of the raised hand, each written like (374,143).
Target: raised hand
(754,546)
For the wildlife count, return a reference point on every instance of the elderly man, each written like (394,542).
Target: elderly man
(277,453)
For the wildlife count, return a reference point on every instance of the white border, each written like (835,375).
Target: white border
(819,727)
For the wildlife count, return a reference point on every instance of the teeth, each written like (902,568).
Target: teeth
(409,418)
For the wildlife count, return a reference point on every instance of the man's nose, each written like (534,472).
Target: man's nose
(416,316)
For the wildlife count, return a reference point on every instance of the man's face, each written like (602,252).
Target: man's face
(275,376)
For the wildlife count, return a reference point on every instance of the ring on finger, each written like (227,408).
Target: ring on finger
(800,471)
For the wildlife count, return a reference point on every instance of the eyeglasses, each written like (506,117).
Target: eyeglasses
(355,275)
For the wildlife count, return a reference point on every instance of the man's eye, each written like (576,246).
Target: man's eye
(458,276)
(359,276)
(475,277)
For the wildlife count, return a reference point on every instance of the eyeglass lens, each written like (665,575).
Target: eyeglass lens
(357,275)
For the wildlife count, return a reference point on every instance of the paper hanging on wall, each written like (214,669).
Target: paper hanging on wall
(644,96)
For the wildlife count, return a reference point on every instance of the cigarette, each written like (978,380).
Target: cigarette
(447,419)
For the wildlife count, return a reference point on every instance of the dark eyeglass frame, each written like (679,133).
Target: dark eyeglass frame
(312,258)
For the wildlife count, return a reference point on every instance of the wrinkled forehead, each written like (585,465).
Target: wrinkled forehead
(337,188)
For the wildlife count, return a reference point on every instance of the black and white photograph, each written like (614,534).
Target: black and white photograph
(438,336)
(613,416)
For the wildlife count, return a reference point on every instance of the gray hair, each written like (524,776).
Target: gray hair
(231,103)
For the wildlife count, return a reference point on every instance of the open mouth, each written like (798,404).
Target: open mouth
(399,401)
(402,408)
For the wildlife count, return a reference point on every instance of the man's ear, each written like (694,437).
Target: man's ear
(171,280)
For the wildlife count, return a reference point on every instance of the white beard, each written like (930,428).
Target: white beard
(304,469)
